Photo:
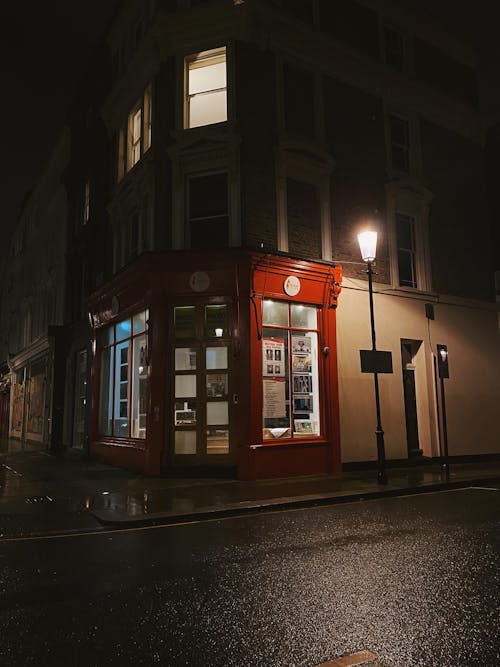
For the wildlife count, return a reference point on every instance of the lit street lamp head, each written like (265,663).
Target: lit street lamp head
(368,245)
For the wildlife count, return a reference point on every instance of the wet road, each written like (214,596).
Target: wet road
(415,580)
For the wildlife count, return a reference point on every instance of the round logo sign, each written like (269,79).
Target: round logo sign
(199,281)
(291,285)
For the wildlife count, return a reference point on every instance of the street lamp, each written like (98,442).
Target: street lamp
(368,246)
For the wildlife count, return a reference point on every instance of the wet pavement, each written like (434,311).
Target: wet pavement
(43,494)
(413,580)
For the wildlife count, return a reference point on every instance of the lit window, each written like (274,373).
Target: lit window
(135,138)
(400,143)
(407,264)
(290,376)
(208,213)
(86,203)
(206,88)
(124,378)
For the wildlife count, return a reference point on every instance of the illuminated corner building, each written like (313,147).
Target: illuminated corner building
(231,159)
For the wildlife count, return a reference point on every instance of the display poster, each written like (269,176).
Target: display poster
(17,407)
(274,399)
(301,344)
(301,363)
(273,357)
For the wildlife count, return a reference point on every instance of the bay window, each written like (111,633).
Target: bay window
(290,377)
(124,378)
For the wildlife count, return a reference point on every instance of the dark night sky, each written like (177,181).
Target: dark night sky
(45,46)
(43,51)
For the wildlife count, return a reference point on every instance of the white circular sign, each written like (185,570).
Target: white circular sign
(291,285)
(199,281)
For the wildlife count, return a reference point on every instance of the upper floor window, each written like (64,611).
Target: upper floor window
(407,250)
(134,138)
(205,88)
(208,211)
(399,129)
(86,203)
(394,48)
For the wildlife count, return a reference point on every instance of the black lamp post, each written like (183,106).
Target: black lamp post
(368,246)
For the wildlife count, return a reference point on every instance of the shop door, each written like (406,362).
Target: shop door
(200,412)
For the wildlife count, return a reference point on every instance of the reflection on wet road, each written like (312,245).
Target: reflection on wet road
(415,580)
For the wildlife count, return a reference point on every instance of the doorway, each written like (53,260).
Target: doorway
(200,413)
(409,351)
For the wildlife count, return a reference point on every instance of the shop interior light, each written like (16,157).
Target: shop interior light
(368,245)
(218,332)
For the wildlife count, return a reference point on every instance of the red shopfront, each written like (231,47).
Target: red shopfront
(217,363)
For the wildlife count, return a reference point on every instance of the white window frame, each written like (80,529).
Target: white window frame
(199,60)
(411,199)
(134,137)
(414,152)
(300,162)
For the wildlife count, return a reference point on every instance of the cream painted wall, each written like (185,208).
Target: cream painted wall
(470,331)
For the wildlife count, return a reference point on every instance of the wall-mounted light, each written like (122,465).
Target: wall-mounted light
(218,332)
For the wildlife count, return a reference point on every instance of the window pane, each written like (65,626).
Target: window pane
(304,317)
(206,77)
(208,108)
(140,388)
(139,321)
(185,442)
(184,413)
(217,441)
(208,196)
(305,384)
(275,313)
(216,357)
(122,386)
(216,320)
(406,268)
(275,384)
(217,413)
(185,386)
(216,385)
(106,391)
(184,317)
(185,359)
(123,330)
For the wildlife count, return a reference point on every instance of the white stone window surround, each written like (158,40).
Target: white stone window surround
(226,51)
(309,163)
(409,197)
(202,151)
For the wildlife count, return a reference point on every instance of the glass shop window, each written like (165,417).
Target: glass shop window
(290,377)
(124,378)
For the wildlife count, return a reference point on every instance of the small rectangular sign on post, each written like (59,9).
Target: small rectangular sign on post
(375,361)
(442,355)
